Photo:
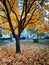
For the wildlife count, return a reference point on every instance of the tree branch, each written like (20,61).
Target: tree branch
(2,9)
(3,16)
(3,22)
(29,19)
(16,16)
(27,11)
(36,7)
(13,10)
(10,4)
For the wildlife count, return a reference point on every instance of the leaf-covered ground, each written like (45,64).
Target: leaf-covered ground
(35,54)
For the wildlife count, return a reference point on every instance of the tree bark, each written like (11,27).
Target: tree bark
(17,45)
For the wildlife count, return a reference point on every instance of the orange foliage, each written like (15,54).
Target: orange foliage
(36,19)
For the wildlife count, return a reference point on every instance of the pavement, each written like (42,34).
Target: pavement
(7,43)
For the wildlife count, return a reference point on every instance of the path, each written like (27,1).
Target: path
(29,43)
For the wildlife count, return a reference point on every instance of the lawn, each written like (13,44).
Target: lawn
(44,41)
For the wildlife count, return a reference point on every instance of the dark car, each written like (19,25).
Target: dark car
(47,37)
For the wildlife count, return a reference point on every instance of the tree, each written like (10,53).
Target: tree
(44,11)
(22,20)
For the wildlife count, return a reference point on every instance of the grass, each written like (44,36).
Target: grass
(45,41)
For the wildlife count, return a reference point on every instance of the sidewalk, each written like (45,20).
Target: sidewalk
(22,42)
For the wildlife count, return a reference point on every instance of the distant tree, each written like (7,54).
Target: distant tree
(28,8)
(34,30)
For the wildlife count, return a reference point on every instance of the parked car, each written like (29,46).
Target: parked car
(46,37)
(6,37)
(41,37)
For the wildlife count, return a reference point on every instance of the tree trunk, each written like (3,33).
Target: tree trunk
(18,45)
(17,38)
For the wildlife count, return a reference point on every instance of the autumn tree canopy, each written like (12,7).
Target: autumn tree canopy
(8,7)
